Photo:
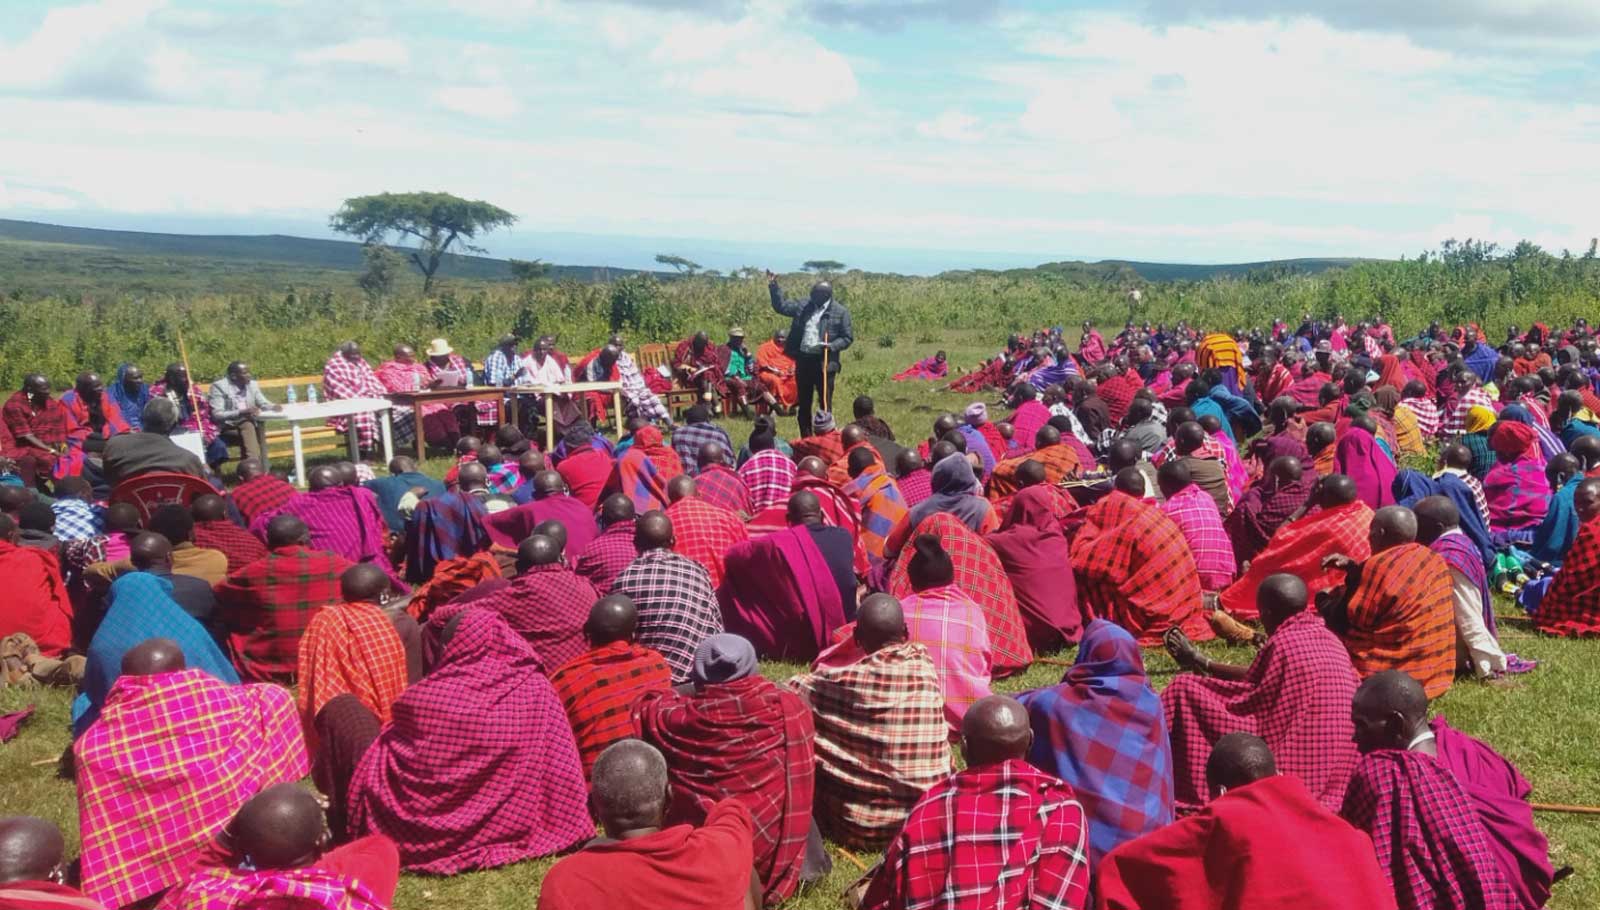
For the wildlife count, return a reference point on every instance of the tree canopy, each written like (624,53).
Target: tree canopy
(684,266)
(823,266)
(437,221)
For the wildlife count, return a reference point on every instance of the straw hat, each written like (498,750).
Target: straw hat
(438,347)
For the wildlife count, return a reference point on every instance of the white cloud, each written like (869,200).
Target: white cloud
(379,53)
(1502,19)
(487,102)
(952,126)
(755,62)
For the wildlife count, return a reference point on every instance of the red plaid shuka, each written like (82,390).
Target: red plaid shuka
(607,555)
(479,768)
(452,577)
(599,689)
(50,423)
(240,546)
(1571,605)
(1195,513)
(262,495)
(1402,617)
(825,446)
(1298,549)
(746,739)
(1296,697)
(547,605)
(720,486)
(1134,568)
(1430,841)
(882,739)
(768,475)
(996,836)
(704,533)
(980,574)
(344,378)
(349,648)
(268,604)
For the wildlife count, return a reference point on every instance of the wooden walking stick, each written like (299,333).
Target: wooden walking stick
(826,401)
(1559,807)
(194,399)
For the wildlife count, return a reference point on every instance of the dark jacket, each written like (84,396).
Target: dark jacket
(835,324)
(131,454)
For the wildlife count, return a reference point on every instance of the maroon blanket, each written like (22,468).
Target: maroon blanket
(779,594)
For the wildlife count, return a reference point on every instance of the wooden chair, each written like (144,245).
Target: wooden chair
(652,356)
(149,492)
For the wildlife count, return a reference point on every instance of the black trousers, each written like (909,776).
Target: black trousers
(808,382)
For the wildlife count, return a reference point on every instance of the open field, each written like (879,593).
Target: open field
(1544,722)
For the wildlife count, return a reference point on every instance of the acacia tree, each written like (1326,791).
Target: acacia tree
(823,266)
(684,266)
(437,221)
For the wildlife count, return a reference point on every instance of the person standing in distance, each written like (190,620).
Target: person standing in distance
(811,321)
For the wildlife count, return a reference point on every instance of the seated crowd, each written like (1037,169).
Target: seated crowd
(557,653)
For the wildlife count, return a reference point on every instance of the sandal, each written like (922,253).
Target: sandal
(1230,629)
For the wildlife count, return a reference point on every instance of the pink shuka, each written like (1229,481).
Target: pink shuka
(779,594)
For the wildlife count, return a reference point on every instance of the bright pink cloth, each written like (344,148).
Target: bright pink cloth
(951,626)
(1195,513)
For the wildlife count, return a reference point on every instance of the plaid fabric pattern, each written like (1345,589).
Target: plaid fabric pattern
(1134,568)
(1476,486)
(1195,513)
(749,740)
(768,475)
(139,606)
(455,363)
(260,496)
(240,546)
(636,394)
(677,606)
(1218,351)
(1296,697)
(826,446)
(607,555)
(599,689)
(1571,605)
(499,368)
(882,740)
(1430,841)
(504,477)
(442,528)
(1402,617)
(343,378)
(77,520)
(639,478)
(268,604)
(980,574)
(720,486)
(915,487)
(1408,432)
(996,836)
(547,605)
(345,521)
(689,437)
(451,577)
(478,768)
(50,423)
(1102,731)
(704,533)
(193,420)
(951,626)
(882,508)
(349,648)
(1427,414)
(1059,461)
(1456,421)
(170,761)
(307,888)
(1298,548)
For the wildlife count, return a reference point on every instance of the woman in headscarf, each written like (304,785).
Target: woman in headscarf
(1389,373)
(1407,432)
(1033,549)
(1102,730)
(1516,487)
(1476,438)
(955,490)
(1550,445)
(1359,457)
(130,392)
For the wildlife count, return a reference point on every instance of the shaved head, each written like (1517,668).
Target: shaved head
(1280,597)
(325,476)
(150,552)
(282,827)
(681,487)
(804,509)
(612,618)
(653,531)
(1337,490)
(860,459)
(852,435)
(814,466)
(712,453)
(287,531)
(31,849)
(616,508)
(363,582)
(995,729)
(1392,526)
(880,622)
(1238,759)
(152,656)
(1389,709)
(1435,515)
(537,550)
(1030,474)
(530,463)
(1130,481)
(209,507)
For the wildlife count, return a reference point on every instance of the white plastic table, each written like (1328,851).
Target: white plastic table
(307,412)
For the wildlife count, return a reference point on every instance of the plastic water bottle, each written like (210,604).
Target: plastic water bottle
(469,377)
(290,394)
(416,382)
(311,393)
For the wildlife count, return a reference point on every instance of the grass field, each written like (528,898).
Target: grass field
(1544,722)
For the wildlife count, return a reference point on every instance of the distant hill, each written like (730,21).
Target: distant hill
(299,252)
(1122,271)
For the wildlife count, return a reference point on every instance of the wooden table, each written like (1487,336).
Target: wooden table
(450,397)
(566,388)
(307,411)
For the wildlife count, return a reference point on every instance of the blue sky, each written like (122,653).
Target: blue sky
(976,131)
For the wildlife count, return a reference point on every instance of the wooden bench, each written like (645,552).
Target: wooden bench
(652,356)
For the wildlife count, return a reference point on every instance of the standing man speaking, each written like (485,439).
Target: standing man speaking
(818,323)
